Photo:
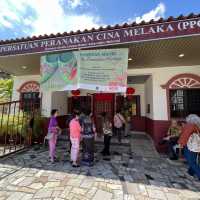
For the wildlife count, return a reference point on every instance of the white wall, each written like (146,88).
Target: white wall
(151,92)
(59,101)
(160,76)
(149,97)
(19,81)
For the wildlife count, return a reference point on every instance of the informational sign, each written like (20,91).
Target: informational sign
(102,70)
(130,34)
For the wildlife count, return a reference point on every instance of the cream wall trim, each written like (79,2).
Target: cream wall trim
(19,81)
(159,77)
(151,92)
(59,102)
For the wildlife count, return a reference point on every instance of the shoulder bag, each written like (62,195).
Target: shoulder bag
(193,143)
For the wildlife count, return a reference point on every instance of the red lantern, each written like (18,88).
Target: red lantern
(130,91)
(75,92)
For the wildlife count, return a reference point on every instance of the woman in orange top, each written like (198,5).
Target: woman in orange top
(192,126)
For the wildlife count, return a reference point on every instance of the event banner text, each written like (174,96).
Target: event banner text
(102,70)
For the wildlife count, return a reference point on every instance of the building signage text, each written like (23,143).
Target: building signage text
(105,38)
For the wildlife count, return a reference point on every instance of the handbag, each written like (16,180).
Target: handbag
(120,119)
(193,143)
(49,136)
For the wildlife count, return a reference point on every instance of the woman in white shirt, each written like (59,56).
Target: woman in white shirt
(107,130)
(119,121)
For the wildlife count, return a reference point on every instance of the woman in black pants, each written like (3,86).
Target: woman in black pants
(119,122)
(107,130)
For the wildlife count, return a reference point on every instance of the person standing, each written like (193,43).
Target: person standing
(75,135)
(88,136)
(119,121)
(172,139)
(53,131)
(82,116)
(127,115)
(30,130)
(70,117)
(191,127)
(107,131)
(99,125)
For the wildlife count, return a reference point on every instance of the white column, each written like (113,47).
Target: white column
(149,97)
(46,103)
(59,102)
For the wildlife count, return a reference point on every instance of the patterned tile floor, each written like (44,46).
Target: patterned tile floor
(135,171)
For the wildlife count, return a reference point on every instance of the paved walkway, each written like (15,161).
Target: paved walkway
(136,172)
(4,150)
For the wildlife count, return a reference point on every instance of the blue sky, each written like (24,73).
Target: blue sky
(21,18)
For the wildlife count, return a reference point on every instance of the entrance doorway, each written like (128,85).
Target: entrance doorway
(78,103)
(103,102)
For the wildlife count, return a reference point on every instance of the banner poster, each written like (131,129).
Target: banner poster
(103,70)
(59,71)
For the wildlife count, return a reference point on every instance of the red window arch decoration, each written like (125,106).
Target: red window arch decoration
(180,81)
(30,86)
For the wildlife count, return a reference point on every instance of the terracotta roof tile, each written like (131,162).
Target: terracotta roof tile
(191,15)
(124,25)
(101,28)
(133,24)
(117,26)
(161,20)
(151,21)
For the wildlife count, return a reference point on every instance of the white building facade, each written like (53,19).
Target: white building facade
(163,70)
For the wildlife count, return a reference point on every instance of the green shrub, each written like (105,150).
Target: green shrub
(19,125)
(38,126)
(12,125)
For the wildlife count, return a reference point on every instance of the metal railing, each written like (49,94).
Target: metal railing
(15,125)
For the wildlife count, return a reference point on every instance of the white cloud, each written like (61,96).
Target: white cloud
(75,3)
(27,21)
(8,14)
(155,14)
(49,16)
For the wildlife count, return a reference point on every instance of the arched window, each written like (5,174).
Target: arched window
(183,95)
(30,86)
(30,95)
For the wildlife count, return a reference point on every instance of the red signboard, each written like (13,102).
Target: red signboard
(133,34)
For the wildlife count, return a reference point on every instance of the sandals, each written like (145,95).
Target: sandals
(75,165)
